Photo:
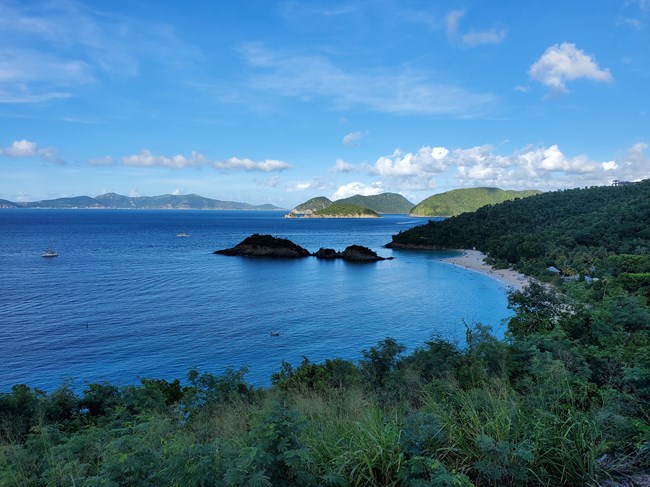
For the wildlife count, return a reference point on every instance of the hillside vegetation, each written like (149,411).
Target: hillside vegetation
(343,210)
(390,203)
(459,201)
(313,204)
(563,399)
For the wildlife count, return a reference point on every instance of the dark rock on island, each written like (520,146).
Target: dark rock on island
(353,253)
(266,246)
(326,254)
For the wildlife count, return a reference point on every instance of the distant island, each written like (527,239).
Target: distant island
(457,201)
(353,207)
(269,246)
(117,201)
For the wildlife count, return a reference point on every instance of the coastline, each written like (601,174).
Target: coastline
(474,260)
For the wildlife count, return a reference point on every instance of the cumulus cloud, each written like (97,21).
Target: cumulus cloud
(344,167)
(565,62)
(544,167)
(353,139)
(147,159)
(425,161)
(356,188)
(20,148)
(25,148)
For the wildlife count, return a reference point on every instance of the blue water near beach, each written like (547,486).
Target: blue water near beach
(128,299)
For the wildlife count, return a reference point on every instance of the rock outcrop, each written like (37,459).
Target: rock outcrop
(353,253)
(266,246)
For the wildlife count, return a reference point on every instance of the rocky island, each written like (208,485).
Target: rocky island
(269,246)
(266,246)
(352,253)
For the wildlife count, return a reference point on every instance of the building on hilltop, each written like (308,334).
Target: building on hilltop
(618,182)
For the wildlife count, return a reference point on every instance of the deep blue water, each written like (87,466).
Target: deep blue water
(128,299)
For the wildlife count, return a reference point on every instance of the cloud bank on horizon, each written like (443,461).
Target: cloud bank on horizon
(302,100)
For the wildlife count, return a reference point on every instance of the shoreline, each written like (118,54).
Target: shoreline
(473,260)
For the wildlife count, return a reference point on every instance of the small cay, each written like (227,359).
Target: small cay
(269,246)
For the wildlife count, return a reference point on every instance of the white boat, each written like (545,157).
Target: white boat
(49,253)
(182,234)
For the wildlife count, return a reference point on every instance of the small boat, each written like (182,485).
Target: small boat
(274,333)
(182,234)
(49,253)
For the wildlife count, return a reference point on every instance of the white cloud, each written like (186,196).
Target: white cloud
(195,160)
(176,192)
(352,189)
(402,90)
(268,165)
(522,88)
(531,167)
(565,62)
(26,148)
(427,160)
(353,139)
(344,167)
(21,148)
(316,183)
(610,165)
(146,159)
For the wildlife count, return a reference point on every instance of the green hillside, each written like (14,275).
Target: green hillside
(344,210)
(313,204)
(460,201)
(381,203)
(571,230)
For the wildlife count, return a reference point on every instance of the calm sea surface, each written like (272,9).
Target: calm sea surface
(128,299)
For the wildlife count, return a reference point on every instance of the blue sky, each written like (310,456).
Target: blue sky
(280,101)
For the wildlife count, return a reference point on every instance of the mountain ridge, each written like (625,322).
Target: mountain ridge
(117,201)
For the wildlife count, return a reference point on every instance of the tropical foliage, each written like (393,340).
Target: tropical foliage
(459,201)
(562,399)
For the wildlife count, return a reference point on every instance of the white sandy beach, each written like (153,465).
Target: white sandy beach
(474,260)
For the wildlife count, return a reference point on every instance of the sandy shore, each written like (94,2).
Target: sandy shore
(474,260)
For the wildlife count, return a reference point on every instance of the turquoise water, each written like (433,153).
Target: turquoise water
(128,299)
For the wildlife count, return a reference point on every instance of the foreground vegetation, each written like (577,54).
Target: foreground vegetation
(562,399)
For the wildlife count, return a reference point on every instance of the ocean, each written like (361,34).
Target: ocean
(128,299)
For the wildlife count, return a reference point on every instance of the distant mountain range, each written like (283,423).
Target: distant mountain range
(117,201)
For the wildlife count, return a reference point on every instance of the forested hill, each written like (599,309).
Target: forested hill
(568,229)
(381,203)
(459,201)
